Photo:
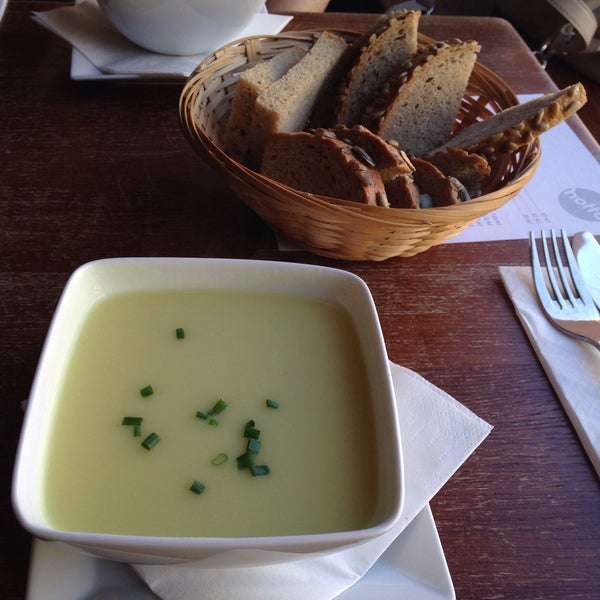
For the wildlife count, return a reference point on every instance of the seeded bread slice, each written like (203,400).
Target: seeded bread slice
(321,164)
(469,168)
(286,104)
(402,192)
(375,57)
(375,151)
(393,165)
(418,107)
(250,83)
(514,127)
(439,189)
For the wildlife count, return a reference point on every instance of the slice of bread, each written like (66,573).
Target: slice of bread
(375,57)
(393,165)
(286,104)
(355,164)
(320,163)
(514,127)
(469,168)
(402,192)
(439,189)
(238,134)
(390,161)
(418,107)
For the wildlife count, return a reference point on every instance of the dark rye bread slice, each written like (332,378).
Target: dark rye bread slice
(507,131)
(322,164)
(469,168)
(439,189)
(390,161)
(417,108)
(402,192)
(374,58)
(393,165)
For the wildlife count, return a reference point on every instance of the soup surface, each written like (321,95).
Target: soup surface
(243,348)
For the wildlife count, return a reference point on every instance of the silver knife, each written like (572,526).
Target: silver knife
(587,252)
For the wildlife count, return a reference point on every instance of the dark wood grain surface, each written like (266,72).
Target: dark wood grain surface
(91,170)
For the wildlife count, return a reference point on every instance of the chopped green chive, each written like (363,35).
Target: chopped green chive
(219,459)
(136,423)
(259,470)
(251,432)
(219,407)
(197,487)
(245,460)
(147,391)
(151,441)
(180,333)
(253,446)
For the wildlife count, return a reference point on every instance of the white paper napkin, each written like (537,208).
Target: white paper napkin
(572,366)
(438,434)
(86,28)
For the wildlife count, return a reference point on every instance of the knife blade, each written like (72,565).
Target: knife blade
(587,253)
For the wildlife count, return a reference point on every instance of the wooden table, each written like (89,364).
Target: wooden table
(91,170)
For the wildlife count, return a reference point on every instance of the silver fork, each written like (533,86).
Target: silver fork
(566,301)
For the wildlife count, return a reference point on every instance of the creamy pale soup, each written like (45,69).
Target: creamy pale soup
(243,348)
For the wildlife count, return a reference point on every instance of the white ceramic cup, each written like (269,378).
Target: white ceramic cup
(180,27)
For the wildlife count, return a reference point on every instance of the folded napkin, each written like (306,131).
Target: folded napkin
(572,366)
(438,435)
(86,28)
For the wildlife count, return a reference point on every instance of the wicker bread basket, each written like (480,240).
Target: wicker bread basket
(334,227)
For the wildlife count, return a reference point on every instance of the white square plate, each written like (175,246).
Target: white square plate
(414,566)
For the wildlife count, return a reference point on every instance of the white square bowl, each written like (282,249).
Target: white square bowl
(103,279)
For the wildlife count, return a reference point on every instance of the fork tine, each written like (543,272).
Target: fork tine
(564,277)
(579,284)
(538,276)
(558,295)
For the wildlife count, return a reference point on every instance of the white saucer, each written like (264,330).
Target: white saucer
(414,566)
(84,70)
